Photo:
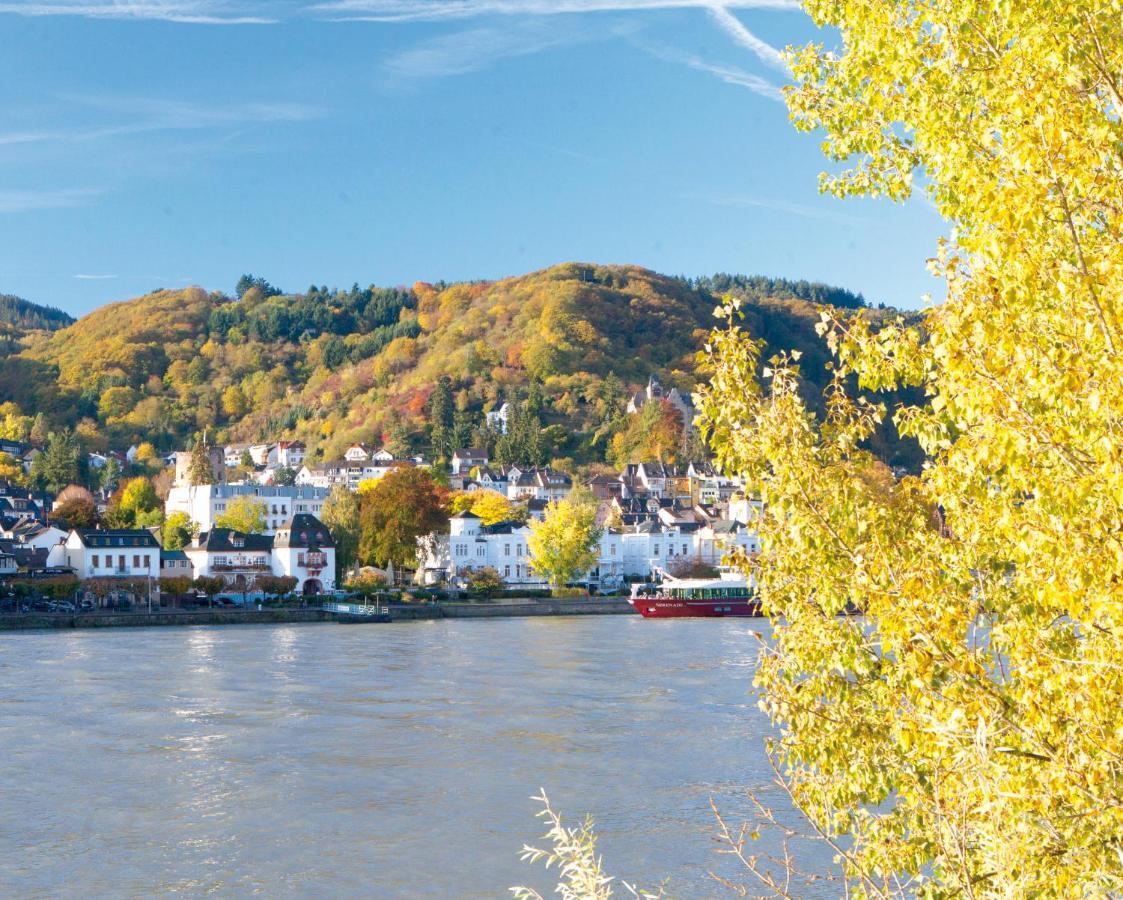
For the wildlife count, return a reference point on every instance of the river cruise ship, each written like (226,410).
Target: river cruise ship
(729,595)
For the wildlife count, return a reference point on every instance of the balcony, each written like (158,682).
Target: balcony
(241,567)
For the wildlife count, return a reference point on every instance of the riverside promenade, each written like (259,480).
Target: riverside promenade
(399,612)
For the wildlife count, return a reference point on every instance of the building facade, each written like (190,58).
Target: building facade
(206,502)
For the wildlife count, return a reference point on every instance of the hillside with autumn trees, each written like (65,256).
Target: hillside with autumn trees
(414,368)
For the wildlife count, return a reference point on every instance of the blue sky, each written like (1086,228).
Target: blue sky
(157,143)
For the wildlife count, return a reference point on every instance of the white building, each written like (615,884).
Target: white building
(351,474)
(303,549)
(463,461)
(537,484)
(646,551)
(497,418)
(206,502)
(290,454)
(357,453)
(117,553)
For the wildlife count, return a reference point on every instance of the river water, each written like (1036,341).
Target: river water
(378,761)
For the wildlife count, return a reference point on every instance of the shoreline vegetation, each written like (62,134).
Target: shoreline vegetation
(398,612)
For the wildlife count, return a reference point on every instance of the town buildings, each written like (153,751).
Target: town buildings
(654,392)
(303,549)
(647,549)
(206,502)
(110,553)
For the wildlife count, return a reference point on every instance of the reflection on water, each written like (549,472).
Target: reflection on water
(386,761)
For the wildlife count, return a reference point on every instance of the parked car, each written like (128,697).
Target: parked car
(62,606)
(87,605)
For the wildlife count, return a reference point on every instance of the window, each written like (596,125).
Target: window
(506,571)
(656,550)
(121,562)
(147,559)
(300,559)
(684,550)
(506,549)
(95,561)
(612,550)
(481,551)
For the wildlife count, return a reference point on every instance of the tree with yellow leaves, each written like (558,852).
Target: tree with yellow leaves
(563,545)
(491,506)
(965,735)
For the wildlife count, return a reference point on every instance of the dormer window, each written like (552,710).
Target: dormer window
(238,541)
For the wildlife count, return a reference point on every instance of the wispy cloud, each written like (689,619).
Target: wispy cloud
(19,201)
(438,10)
(138,115)
(736,29)
(95,277)
(478,48)
(784,206)
(191,12)
(727,73)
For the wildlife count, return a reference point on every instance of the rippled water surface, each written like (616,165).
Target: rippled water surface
(381,761)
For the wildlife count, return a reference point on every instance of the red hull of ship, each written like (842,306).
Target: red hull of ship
(670,608)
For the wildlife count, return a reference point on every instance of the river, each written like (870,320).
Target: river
(396,760)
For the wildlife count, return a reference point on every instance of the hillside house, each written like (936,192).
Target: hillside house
(463,461)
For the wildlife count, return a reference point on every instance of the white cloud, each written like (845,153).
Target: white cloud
(19,201)
(194,12)
(95,277)
(475,49)
(727,73)
(140,115)
(784,206)
(438,10)
(737,30)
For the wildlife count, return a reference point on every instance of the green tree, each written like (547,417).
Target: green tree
(199,469)
(243,514)
(285,475)
(402,507)
(177,531)
(110,475)
(340,513)
(60,463)
(563,545)
(134,505)
(441,415)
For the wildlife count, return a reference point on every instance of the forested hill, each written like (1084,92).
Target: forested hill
(22,315)
(566,346)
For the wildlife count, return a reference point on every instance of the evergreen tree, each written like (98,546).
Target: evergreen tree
(60,463)
(110,475)
(441,414)
(199,471)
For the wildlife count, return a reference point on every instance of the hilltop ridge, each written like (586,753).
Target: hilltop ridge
(570,343)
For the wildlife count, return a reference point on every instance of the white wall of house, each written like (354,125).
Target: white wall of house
(290,455)
(644,554)
(304,565)
(106,562)
(204,503)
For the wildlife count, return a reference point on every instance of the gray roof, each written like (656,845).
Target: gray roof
(228,540)
(304,531)
(117,537)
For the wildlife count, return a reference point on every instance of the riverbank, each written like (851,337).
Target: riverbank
(401,612)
